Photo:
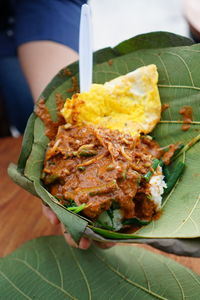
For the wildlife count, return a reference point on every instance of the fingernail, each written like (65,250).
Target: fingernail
(52,220)
(84,244)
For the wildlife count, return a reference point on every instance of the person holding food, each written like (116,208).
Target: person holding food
(39,37)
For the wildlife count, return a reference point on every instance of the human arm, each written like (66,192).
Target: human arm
(41,60)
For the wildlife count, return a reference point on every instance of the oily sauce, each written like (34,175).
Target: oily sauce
(164,107)
(186,112)
(42,112)
(170,153)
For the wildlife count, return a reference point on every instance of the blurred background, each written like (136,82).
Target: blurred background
(113,21)
(117,20)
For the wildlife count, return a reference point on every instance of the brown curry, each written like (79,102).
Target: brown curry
(186,112)
(98,167)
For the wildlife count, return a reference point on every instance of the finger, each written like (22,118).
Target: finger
(84,244)
(103,245)
(70,240)
(68,237)
(50,215)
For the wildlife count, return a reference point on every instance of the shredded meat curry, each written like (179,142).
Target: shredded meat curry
(98,166)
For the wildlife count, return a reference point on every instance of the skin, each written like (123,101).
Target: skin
(40,61)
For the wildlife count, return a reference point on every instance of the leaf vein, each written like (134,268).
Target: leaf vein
(186,65)
(145,275)
(173,274)
(82,272)
(195,224)
(178,282)
(178,122)
(164,66)
(127,279)
(59,267)
(168,197)
(44,278)
(12,283)
(188,217)
(179,86)
(37,258)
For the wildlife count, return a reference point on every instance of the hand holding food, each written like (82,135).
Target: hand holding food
(97,156)
(84,243)
(100,161)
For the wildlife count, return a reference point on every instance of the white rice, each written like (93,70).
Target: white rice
(157,187)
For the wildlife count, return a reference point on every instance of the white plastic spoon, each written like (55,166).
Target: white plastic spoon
(85,49)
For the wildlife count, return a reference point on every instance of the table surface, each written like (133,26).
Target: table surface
(21,218)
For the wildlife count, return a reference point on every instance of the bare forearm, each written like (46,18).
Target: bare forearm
(41,60)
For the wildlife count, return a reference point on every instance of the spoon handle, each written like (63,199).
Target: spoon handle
(85,49)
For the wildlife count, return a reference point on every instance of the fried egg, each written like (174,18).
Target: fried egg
(129,103)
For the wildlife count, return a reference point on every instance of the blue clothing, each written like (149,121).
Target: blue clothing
(32,20)
(16,92)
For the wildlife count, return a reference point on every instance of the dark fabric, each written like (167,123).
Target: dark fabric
(33,20)
(4,124)
(15,92)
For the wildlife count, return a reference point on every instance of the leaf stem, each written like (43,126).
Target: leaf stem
(154,166)
(188,146)
(179,86)
(178,122)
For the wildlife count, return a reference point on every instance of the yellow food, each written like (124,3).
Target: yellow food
(129,103)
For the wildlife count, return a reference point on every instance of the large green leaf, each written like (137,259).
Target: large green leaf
(152,40)
(19,178)
(179,84)
(27,142)
(46,268)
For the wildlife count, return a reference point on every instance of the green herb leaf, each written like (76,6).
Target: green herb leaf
(173,177)
(154,166)
(110,219)
(136,222)
(77,209)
